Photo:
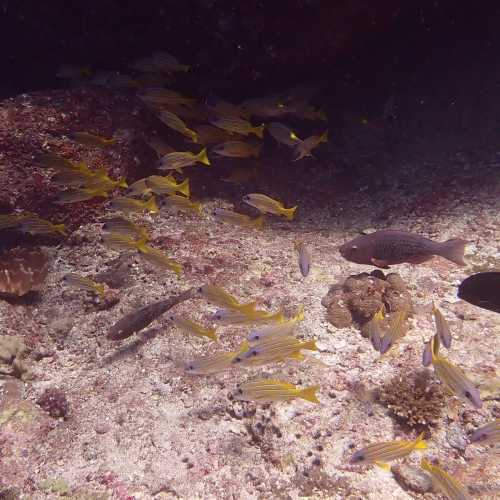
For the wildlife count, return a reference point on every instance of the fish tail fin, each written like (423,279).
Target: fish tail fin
(419,443)
(60,228)
(289,213)
(297,356)
(324,136)
(383,465)
(203,158)
(141,245)
(197,208)
(300,313)
(193,135)
(183,188)
(177,268)
(99,289)
(246,308)
(259,131)
(212,335)
(309,394)
(122,182)
(310,345)
(435,347)
(454,250)
(258,222)
(322,115)
(110,142)
(151,205)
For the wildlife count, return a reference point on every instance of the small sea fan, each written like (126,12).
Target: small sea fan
(417,400)
(22,270)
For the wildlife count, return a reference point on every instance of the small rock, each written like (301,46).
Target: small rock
(102,428)
(411,478)
(339,315)
(456,438)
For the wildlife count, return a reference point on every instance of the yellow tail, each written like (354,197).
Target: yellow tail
(60,228)
(122,182)
(141,245)
(419,443)
(289,213)
(246,308)
(151,205)
(383,465)
(258,131)
(183,188)
(258,222)
(212,335)
(309,394)
(300,313)
(202,157)
(297,356)
(324,137)
(309,345)
(177,268)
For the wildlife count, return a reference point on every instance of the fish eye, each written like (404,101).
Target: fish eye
(468,395)
(357,458)
(239,390)
(354,247)
(256,337)
(200,290)
(171,317)
(237,360)
(190,367)
(253,353)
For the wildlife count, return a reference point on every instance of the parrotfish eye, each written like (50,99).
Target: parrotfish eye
(468,395)
(237,360)
(190,367)
(200,290)
(253,352)
(171,317)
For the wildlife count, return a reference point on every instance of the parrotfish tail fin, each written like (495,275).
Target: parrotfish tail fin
(259,131)
(310,345)
(309,394)
(289,213)
(259,221)
(454,250)
(122,182)
(60,228)
(100,290)
(383,465)
(203,158)
(419,443)
(197,208)
(151,205)
(183,188)
(297,356)
(324,136)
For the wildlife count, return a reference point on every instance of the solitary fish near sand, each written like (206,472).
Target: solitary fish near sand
(389,247)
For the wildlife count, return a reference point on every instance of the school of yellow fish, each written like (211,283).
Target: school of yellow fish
(229,130)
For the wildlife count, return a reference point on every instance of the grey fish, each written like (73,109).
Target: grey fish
(304,258)
(389,247)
